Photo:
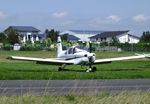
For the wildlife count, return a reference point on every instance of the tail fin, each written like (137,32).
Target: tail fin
(59,46)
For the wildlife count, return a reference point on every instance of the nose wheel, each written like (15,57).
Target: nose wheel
(92,69)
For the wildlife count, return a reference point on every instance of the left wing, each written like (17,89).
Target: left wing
(52,61)
(98,61)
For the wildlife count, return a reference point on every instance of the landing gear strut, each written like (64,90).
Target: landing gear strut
(62,67)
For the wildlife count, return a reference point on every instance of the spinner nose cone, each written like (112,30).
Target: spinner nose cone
(93,58)
(91,55)
(94,54)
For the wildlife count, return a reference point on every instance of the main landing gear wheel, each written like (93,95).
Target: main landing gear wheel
(60,69)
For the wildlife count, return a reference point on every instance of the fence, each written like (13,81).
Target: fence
(123,48)
(107,48)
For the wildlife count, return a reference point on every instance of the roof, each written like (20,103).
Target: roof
(24,28)
(72,38)
(40,35)
(86,31)
(134,36)
(109,34)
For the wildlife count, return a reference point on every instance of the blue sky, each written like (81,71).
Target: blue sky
(101,15)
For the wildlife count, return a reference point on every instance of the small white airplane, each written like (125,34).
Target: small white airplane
(76,56)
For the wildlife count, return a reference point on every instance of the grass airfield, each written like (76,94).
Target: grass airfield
(27,70)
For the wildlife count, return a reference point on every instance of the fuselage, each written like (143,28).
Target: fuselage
(78,55)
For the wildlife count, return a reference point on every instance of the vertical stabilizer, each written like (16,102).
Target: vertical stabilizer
(59,46)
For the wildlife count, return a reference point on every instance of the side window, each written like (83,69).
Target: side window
(70,51)
(74,50)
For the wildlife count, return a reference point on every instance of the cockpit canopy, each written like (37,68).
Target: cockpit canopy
(74,50)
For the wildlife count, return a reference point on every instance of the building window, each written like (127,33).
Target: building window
(29,37)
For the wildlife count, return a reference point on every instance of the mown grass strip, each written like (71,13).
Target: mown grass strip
(102,98)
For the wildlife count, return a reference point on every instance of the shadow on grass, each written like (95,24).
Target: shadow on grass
(48,70)
(120,70)
(82,70)
(78,70)
(41,70)
(72,70)
(145,66)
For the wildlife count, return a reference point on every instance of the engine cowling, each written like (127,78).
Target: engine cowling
(92,58)
(83,60)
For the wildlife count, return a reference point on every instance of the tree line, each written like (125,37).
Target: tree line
(12,37)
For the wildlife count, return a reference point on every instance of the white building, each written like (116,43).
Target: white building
(27,33)
(122,36)
(82,34)
(128,38)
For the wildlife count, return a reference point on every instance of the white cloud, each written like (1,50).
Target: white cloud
(141,18)
(67,23)
(96,22)
(59,14)
(2,16)
(113,18)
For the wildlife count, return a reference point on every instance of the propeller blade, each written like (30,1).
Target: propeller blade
(90,62)
(90,46)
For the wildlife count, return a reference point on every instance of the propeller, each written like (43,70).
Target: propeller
(90,46)
(91,58)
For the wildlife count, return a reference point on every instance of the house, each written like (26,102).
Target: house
(83,35)
(122,36)
(73,38)
(27,33)
(133,38)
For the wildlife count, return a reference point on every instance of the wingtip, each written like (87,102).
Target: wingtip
(147,55)
(9,57)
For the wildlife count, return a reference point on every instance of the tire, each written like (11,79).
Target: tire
(94,69)
(60,69)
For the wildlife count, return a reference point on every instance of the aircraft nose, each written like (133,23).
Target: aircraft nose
(93,54)
(92,57)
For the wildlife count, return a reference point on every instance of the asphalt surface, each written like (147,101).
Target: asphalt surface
(62,87)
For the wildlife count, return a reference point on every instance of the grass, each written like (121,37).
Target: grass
(103,98)
(16,70)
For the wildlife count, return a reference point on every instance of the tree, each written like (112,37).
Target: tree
(2,38)
(46,31)
(52,34)
(65,37)
(12,37)
(145,38)
(114,42)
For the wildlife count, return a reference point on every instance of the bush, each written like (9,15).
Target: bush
(31,47)
(8,47)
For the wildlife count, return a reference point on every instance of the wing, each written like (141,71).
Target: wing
(108,60)
(51,61)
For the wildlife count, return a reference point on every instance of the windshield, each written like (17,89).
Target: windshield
(82,47)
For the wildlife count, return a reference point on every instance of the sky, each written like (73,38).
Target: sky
(102,15)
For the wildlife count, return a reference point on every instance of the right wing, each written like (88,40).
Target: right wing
(51,61)
(108,60)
